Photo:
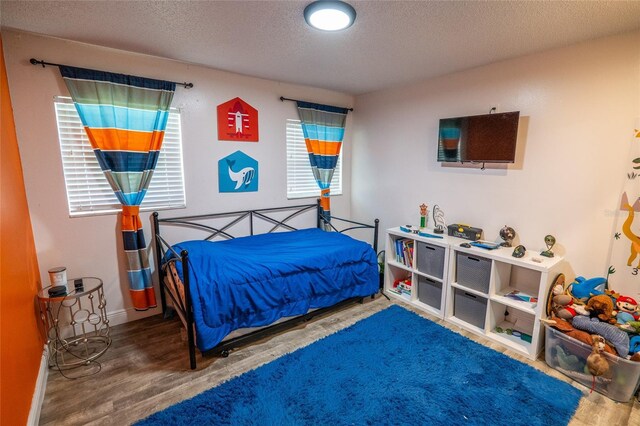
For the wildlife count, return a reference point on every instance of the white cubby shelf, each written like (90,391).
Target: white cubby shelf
(468,286)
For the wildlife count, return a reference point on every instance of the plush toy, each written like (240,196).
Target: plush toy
(631,326)
(566,360)
(582,289)
(596,362)
(618,338)
(634,345)
(582,336)
(612,294)
(602,307)
(560,304)
(627,309)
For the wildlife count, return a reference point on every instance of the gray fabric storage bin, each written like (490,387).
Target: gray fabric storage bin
(430,292)
(430,259)
(469,308)
(473,271)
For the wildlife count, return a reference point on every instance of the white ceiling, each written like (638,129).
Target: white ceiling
(391,43)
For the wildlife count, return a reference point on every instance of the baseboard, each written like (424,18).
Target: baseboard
(41,387)
(127,315)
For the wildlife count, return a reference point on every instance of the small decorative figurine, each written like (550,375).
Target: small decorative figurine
(549,241)
(596,362)
(438,220)
(507,233)
(423,215)
(519,251)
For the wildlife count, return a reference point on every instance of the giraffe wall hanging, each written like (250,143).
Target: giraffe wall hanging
(624,265)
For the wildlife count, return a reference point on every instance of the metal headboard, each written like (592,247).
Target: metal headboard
(224,231)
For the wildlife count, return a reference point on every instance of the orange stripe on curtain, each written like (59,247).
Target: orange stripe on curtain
(325,200)
(143,299)
(125,140)
(130,219)
(323,147)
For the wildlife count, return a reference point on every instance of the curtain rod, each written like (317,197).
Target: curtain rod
(43,63)
(282,98)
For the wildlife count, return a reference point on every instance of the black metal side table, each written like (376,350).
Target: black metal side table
(76,323)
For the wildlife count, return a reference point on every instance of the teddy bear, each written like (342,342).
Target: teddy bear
(601,306)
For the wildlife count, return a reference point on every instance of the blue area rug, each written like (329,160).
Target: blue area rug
(394,367)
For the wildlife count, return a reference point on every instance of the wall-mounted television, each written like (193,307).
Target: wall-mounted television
(488,138)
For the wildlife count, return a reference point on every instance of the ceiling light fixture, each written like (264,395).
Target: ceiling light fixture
(329,15)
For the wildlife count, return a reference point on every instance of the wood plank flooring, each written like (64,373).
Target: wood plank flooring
(146,370)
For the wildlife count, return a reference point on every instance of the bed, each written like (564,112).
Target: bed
(244,280)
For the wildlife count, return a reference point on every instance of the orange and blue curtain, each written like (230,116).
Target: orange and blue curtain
(323,129)
(125,118)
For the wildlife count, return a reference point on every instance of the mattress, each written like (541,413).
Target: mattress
(253,281)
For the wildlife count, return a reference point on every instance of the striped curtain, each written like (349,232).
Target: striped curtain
(323,129)
(125,118)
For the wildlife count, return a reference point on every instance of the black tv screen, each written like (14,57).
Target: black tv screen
(488,138)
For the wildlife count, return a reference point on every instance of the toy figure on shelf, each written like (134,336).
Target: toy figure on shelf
(438,220)
(549,241)
(519,251)
(507,233)
(423,215)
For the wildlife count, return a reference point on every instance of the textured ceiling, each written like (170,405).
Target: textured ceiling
(391,43)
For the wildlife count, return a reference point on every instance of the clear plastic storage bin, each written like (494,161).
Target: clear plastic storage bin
(569,356)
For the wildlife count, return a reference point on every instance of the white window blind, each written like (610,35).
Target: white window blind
(300,180)
(88,191)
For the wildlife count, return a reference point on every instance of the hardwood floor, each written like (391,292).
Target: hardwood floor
(146,370)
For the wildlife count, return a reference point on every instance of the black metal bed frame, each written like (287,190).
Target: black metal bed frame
(185,310)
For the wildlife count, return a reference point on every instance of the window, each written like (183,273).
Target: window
(89,193)
(300,180)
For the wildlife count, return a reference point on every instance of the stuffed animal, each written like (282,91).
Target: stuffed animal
(634,345)
(582,336)
(596,362)
(560,304)
(618,338)
(612,294)
(627,309)
(602,307)
(631,326)
(582,289)
(567,360)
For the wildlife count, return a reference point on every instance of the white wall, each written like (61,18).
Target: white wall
(89,246)
(578,105)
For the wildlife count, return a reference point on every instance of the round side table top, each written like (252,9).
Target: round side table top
(89,285)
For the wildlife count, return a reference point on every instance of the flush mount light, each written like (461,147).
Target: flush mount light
(329,15)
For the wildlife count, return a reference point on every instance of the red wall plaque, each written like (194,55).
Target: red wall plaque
(237,121)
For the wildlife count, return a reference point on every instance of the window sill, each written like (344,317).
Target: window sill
(298,197)
(116,211)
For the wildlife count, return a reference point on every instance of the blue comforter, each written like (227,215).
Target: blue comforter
(254,281)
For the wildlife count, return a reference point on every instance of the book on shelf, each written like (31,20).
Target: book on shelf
(522,297)
(404,251)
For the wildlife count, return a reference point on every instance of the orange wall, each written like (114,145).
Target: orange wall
(21,342)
